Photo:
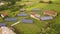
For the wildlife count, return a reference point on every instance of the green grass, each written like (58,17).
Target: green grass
(37,25)
(35,28)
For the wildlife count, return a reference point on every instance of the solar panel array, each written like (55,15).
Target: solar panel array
(27,21)
(35,9)
(2,24)
(46,18)
(22,14)
(11,19)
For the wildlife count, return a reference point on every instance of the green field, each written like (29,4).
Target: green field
(36,27)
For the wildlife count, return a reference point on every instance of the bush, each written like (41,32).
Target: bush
(50,2)
(3,8)
(41,1)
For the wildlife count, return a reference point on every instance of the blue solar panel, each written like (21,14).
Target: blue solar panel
(46,18)
(27,21)
(22,14)
(11,19)
(36,9)
(2,24)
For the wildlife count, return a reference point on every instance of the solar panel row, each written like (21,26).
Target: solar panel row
(27,21)
(22,14)
(11,19)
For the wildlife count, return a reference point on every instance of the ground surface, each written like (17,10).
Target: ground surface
(38,25)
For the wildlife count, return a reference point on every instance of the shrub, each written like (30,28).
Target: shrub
(50,2)
(41,1)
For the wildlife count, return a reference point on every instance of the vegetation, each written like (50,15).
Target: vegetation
(38,27)
(50,2)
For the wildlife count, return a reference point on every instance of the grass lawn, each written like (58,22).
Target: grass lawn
(36,27)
